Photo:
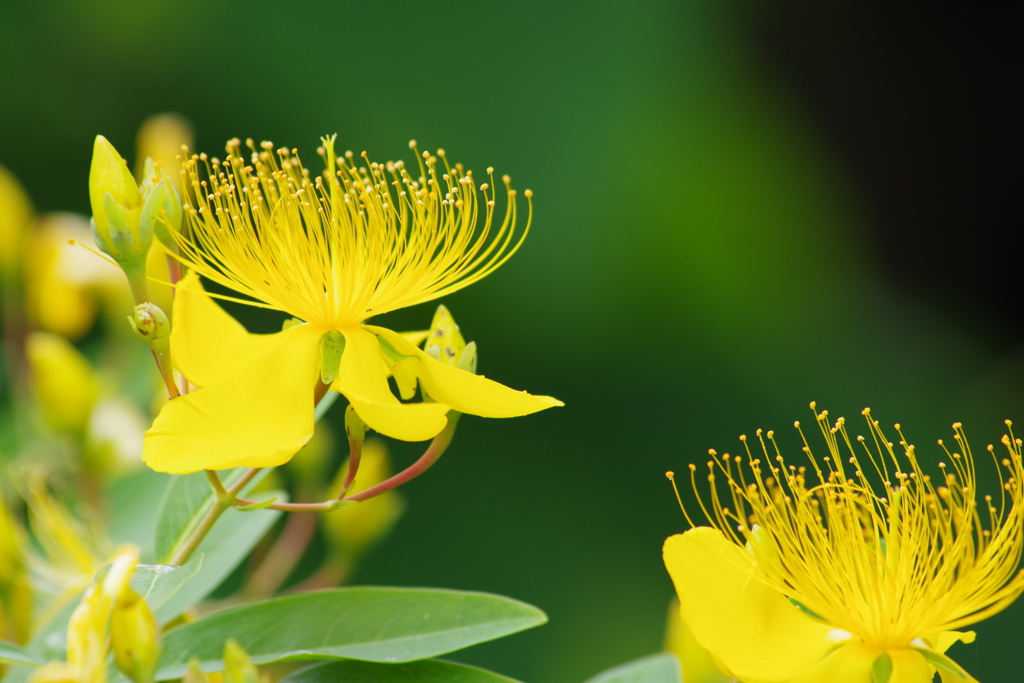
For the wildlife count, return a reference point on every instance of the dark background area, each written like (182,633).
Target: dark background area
(740,208)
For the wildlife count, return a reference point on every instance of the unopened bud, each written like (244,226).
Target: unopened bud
(62,381)
(237,667)
(445,335)
(467,361)
(151,326)
(194,674)
(162,209)
(134,637)
(116,210)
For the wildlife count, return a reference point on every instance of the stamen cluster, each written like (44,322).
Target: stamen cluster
(868,541)
(358,240)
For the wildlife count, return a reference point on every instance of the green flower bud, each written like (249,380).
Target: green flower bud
(151,326)
(115,220)
(445,336)
(162,209)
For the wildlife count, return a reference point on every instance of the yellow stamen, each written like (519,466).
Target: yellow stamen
(881,551)
(357,241)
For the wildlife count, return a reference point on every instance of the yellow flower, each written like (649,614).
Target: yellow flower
(15,591)
(332,251)
(15,219)
(857,567)
(62,380)
(696,663)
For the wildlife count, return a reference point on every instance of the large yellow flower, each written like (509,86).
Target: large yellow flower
(856,568)
(332,251)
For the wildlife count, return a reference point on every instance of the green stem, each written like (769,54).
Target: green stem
(225,500)
(430,456)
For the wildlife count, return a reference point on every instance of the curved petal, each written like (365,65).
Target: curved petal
(363,379)
(752,629)
(258,417)
(464,391)
(207,344)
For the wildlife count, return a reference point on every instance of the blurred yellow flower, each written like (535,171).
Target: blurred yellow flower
(15,220)
(354,243)
(15,590)
(855,567)
(62,381)
(161,138)
(87,634)
(351,531)
(63,282)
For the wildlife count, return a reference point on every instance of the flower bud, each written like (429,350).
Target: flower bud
(151,326)
(237,667)
(15,220)
(134,637)
(162,204)
(445,336)
(62,380)
(116,210)
(194,674)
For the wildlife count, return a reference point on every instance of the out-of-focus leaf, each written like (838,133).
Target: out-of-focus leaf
(424,671)
(133,515)
(186,501)
(234,535)
(372,624)
(662,668)
(12,654)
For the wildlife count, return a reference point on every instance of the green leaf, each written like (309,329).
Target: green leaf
(424,671)
(662,668)
(372,624)
(133,516)
(12,654)
(158,583)
(186,501)
(229,542)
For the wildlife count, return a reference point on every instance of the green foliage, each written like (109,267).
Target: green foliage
(371,624)
(425,671)
(158,583)
(12,654)
(661,668)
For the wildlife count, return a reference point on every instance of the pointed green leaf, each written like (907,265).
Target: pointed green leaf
(945,665)
(133,517)
(371,624)
(661,668)
(424,671)
(12,654)
(881,668)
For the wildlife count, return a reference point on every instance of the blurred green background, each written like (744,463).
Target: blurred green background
(706,259)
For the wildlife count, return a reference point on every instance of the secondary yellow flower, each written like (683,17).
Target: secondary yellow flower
(15,220)
(331,251)
(857,567)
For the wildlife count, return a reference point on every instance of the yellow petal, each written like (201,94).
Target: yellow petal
(849,663)
(207,344)
(946,639)
(752,629)
(464,391)
(258,417)
(695,661)
(363,379)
